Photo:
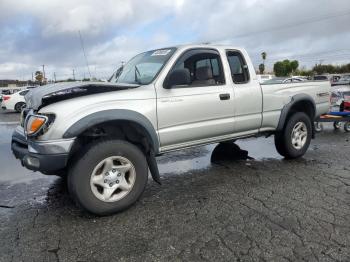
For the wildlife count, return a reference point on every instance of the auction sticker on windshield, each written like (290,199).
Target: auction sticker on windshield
(161,52)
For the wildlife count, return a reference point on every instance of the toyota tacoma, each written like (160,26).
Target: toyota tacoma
(105,136)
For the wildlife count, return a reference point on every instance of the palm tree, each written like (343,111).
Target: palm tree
(261,68)
(263,55)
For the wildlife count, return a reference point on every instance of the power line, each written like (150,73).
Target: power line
(329,56)
(335,54)
(311,59)
(308,21)
(324,52)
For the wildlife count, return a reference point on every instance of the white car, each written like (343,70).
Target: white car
(263,78)
(282,80)
(15,101)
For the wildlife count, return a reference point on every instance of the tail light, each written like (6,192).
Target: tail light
(6,98)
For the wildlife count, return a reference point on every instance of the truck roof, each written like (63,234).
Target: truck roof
(216,46)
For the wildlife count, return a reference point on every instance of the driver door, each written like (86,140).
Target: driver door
(200,111)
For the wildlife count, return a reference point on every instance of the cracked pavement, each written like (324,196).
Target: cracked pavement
(212,206)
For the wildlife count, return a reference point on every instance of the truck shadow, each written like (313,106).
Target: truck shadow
(228,152)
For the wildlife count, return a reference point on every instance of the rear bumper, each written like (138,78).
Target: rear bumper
(46,157)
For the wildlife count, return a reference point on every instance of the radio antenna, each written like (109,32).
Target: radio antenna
(82,47)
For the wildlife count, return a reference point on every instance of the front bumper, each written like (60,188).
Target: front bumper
(44,156)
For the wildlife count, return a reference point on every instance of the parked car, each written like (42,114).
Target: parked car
(105,136)
(263,78)
(284,80)
(334,79)
(321,78)
(294,79)
(15,101)
(339,94)
(10,91)
(343,80)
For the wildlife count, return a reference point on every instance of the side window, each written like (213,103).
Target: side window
(238,66)
(205,67)
(213,63)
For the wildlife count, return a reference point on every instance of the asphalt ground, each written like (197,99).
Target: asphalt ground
(215,204)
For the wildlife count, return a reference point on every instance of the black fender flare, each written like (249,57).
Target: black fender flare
(112,115)
(288,107)
(121,114)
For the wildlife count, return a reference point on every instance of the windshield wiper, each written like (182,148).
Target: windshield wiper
(116,74)
(137,79)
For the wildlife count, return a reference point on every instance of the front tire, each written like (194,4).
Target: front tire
(109,177)
(294,139)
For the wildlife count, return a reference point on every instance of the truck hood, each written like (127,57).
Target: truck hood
(42,96)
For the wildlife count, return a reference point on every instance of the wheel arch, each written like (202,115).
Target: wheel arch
(299,103)
(17,104)
(115,117)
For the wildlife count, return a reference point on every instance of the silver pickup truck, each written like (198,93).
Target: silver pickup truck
(106,136)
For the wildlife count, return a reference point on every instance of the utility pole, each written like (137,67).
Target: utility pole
(73,75)
(54,76)
(43,73)
(32,77)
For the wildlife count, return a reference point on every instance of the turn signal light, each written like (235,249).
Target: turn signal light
(35,123)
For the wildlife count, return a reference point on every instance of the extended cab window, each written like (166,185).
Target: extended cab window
(238,66)
(204,65)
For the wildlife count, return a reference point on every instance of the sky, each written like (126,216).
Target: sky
(41,32)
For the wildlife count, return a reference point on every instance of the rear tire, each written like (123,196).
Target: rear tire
(347,126)
(294,139)
(19,106)
(99,188)
(318,127)
(337,125)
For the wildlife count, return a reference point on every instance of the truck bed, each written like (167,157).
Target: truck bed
(276,96)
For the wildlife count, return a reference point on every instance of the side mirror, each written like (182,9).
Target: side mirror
(178,77)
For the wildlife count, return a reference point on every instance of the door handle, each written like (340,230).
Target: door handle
(224,96)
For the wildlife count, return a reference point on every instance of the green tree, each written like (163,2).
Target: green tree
(294,65)
(261,68)
(279,69)
(285,67)
(331,69)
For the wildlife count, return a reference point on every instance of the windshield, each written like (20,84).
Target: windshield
(143,68)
